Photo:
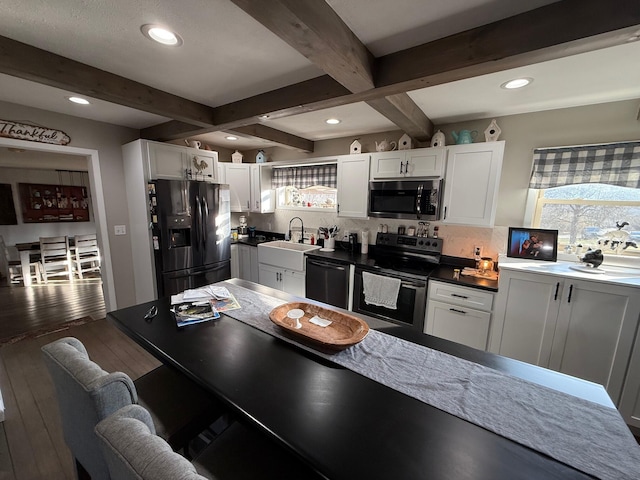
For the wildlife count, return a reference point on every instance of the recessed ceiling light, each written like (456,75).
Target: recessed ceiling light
(161,35)
(332,121)
(231,137)
(517,83)
(78,100)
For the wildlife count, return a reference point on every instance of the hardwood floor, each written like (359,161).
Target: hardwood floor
(31,442)
(36,448)
(25,309)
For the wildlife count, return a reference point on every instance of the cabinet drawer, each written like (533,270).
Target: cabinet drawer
(463,296)
(458,324)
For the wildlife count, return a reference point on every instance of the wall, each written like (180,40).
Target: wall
(28,232)
(107,140)
(523,133)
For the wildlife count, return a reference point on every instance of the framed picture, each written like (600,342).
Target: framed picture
(533,244)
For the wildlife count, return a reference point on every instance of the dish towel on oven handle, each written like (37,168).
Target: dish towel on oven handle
(380,291)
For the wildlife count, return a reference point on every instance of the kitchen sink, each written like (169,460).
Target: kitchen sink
(280,253)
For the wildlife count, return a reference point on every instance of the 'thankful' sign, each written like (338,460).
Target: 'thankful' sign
(34,133)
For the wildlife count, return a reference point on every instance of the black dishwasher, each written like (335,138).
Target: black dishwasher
(327,281)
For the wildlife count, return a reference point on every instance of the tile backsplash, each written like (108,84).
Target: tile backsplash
(459,241)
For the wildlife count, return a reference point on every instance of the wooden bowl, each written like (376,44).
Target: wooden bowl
(344,331)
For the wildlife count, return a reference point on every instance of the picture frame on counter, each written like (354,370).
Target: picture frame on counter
(533,244)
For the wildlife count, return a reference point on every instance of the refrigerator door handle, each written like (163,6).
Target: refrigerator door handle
(205,218)
(198,225)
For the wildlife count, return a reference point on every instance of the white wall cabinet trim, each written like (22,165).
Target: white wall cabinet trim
(353,186)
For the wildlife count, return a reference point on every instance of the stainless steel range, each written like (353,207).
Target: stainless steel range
(410,259)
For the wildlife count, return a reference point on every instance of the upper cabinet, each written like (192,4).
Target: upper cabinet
(472,179)
(174,162)
(262,196)
(421,162)
(353,185)
(237,176)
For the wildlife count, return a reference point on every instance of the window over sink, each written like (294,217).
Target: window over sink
(306,186)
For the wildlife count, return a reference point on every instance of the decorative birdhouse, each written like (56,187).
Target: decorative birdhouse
(355,147)
(492,132)
(405,142)
(261,157)
(236,157)
(438,139)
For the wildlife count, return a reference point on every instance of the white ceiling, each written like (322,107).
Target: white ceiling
(228,56)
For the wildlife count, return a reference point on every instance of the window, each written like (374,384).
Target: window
(591,195)
(306,186)
(592,215)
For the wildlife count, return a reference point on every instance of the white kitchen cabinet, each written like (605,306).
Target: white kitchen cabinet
(353,186)
(235,262)
(166,161)
(630,400)
(289,281)
(460,314)
(263,197)
(471,184)
(421,162)
(248,263)
(236,175)
(202,165)
(578,327)
(173,162)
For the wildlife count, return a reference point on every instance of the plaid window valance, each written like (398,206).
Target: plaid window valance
(306,176)
(613,164)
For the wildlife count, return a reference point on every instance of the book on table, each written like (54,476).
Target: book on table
(188,313)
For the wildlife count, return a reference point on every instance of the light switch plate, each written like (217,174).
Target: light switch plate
(120,229)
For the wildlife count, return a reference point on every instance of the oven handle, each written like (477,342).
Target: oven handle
(403,282)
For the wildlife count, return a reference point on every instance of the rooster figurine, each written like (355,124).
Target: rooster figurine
(200,165)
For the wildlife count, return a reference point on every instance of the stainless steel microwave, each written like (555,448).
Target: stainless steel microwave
(412,199)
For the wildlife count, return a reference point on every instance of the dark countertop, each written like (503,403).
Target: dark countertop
(333,418)
(260,237)
(443,273)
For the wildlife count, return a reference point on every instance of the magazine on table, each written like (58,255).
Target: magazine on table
(220,298)
(188,313)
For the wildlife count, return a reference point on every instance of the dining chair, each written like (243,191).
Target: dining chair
(55,257)
(133,452)
(12,269)
(87,394)
(86,255)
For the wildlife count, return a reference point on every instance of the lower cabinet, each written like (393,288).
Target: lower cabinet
(460,314)
(582,328)
(290,281)
(248,262)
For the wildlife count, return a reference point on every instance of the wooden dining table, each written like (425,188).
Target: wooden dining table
(342,424)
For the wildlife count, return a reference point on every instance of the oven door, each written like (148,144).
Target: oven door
(412,299)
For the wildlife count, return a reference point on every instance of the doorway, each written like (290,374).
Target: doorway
(98,204)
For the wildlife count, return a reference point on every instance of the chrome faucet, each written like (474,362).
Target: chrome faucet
(301,226)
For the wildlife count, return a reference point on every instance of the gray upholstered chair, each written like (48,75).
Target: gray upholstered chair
(87,394)
(133,452)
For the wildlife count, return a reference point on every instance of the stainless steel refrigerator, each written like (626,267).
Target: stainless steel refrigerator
(191,234)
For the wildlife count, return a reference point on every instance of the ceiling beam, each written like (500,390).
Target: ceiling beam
(315,30)
(554,31)
(30,63)
(277,136)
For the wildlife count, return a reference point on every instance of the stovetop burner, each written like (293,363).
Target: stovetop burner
(415,256)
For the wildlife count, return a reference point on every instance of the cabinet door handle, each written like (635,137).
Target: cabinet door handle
(555,297)
(445,213)
(459,296)
(458,311)
(248,207)
(570,293)
(401,164)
